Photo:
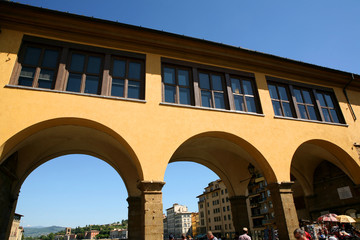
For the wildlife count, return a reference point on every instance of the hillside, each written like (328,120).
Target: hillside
(38,231)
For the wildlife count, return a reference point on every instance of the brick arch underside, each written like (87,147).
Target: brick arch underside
(44,141)
(228,156)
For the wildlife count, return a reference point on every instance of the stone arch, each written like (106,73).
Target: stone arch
(46,140)
(311,153)
(227,155)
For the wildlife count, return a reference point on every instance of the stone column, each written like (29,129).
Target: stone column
(153,210)
(135,218)
(8,199)
(285,212)
(239,212)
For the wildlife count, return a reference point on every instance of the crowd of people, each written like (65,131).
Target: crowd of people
(329,232)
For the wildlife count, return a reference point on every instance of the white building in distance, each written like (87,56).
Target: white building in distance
(178,221)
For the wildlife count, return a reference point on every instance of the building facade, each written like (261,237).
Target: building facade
(119,234)
(140,99)
(215,210)
(178,221)
(16,230)
(195,224)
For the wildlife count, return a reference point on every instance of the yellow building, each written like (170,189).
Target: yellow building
(195,223)
(139,99)
(215,211)
(17,231)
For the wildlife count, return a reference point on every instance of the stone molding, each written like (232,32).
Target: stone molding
(151,187)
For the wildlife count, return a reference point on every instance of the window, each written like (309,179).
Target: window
(126,76)
(244,97)
(327,106)
(84,73)
(304,101)
(211,87)
(61,66)
(39,66)
(280,99)
(177,85)
(212,90)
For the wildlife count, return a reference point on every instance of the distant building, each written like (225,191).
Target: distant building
(194,223)
(166,232)
(260,208)
(119,234)
(16,230)
(91,234)
(215,210)
(178,221)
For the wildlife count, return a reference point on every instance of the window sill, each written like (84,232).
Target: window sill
(211,109)
(75,93)
(312,121)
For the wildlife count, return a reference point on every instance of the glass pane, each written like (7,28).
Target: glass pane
(334,116)
(169,75)
(204,81)
(46,79)
(298,96)
(74,83)
(307,96)
(303,113)
(50,58)
(321,99)
(119,68)
(32,56)
(26,76)
(312,113)
(134,89)
(183,77)
(250,104)
(277,108)
(170,93)
(329,101)
(206,99)
(326,115)
(185,97)
(219,100)
(117,88)
(134,70)
(77,62)
(283,93)
(235,85)
(93,65)
(287,109)
(273,92)
(91,84)
(216,82)
(247,87)
(239,103)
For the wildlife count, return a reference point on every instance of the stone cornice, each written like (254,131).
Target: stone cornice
(153,187)
(70,27)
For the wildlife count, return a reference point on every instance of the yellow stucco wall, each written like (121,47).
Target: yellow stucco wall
(154,131)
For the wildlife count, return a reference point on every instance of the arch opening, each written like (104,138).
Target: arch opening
(242,171)
(324,180)
(73,191)
(41,142)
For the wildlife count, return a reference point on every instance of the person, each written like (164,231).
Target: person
(189,237)
(171,237)
(245,235)
(210,236)
(300,234)
(183,236)
(236,237)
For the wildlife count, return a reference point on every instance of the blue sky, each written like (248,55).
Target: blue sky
(67,192)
